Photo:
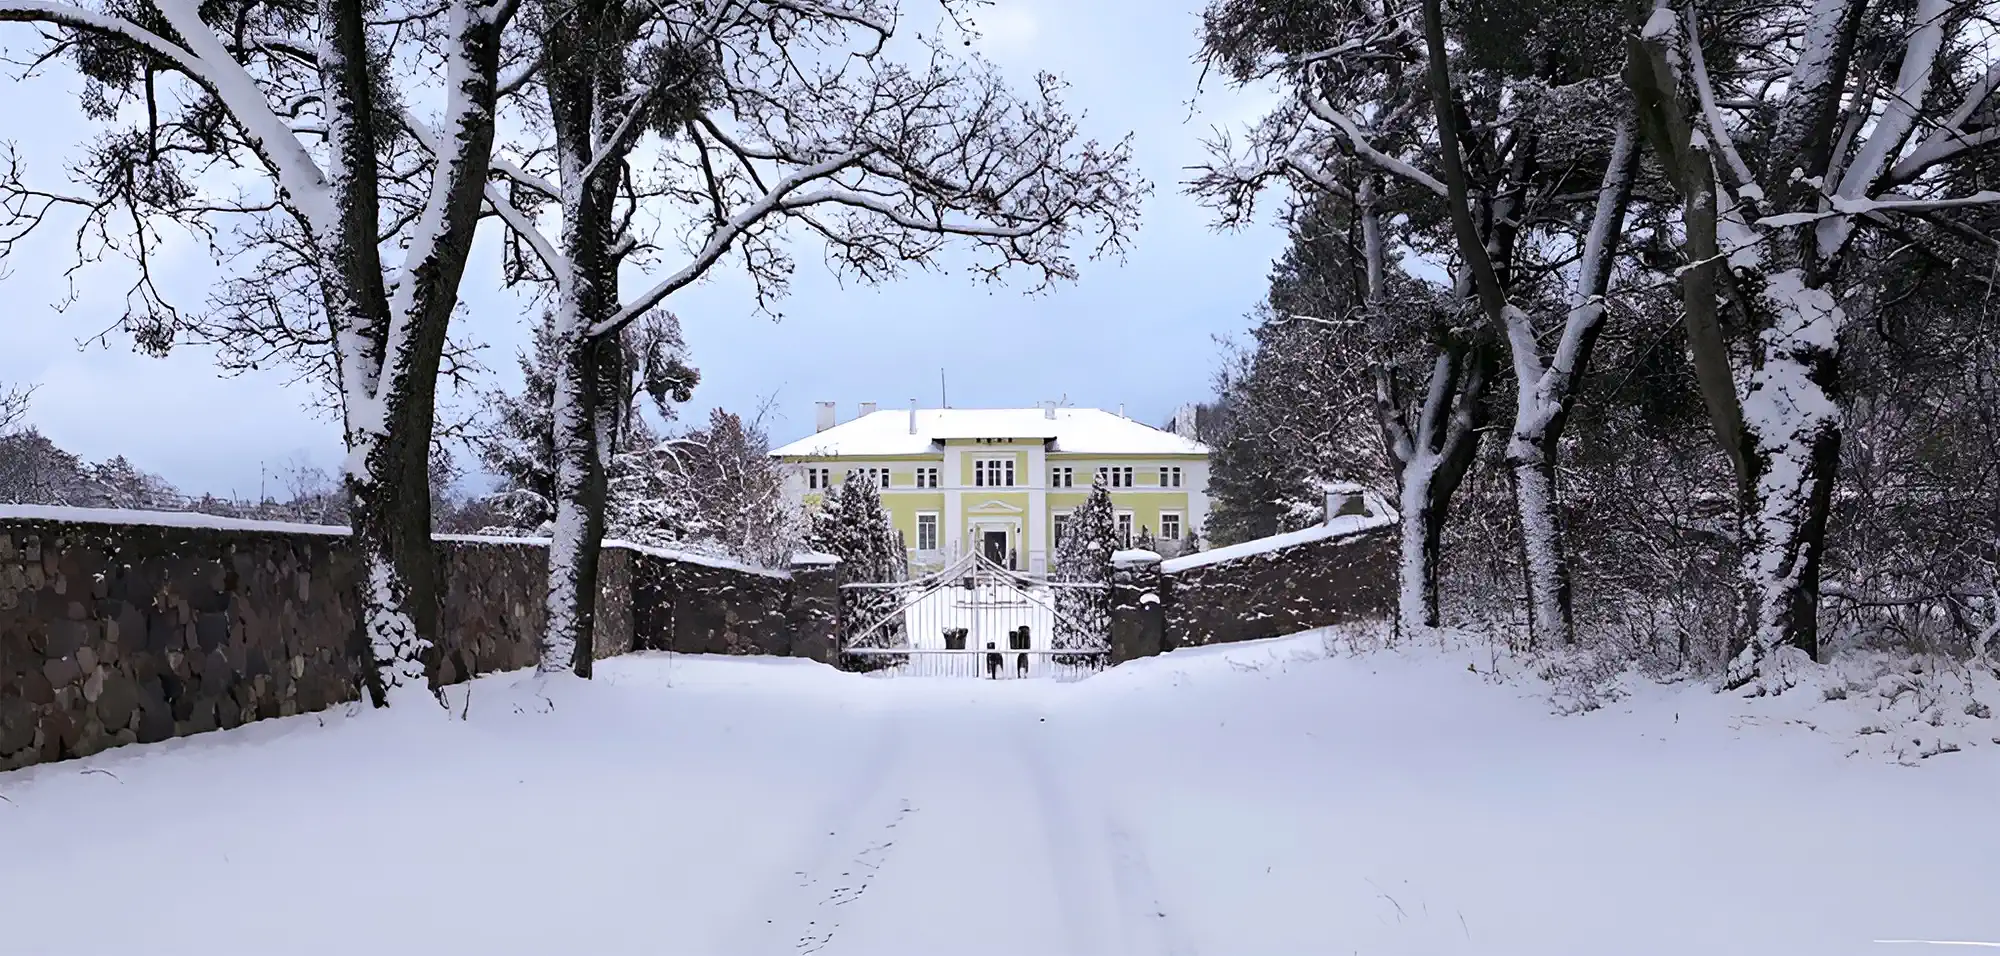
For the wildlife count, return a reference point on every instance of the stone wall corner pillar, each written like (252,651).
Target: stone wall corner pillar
(1138,609)
(815,606)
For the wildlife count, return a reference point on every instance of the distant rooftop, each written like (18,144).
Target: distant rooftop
(1087,431)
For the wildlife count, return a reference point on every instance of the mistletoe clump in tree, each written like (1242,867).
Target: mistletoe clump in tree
(853,527)
(1083,556)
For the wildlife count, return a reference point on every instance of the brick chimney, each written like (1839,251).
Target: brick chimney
(822,416)
(867,409)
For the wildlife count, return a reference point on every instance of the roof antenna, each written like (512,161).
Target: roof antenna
(942,403)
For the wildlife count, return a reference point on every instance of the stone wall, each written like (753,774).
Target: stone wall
(708,608)
(1294,585)
(122,633)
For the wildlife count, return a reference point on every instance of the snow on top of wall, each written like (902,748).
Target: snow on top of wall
(192,519)
(814,557)
(1132,556)
(695,557)
(160,519)
(1088,431)
(1340,527)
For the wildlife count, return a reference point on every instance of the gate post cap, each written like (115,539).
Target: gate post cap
(1134,558)
(813,559)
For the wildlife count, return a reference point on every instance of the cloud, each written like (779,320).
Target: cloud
(1007,28)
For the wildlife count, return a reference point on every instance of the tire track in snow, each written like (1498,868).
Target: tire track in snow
(854,835)
(1139,892)
(1104,883)
(1068,859)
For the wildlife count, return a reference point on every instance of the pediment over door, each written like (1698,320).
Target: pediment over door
(991,506)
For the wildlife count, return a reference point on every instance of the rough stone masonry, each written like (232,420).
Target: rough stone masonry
(121,633)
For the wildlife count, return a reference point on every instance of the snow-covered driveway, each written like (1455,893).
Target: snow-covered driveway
(1259,799)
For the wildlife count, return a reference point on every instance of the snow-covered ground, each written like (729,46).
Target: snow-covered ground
(1267,798)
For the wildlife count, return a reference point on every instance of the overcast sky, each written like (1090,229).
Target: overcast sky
(1140,332)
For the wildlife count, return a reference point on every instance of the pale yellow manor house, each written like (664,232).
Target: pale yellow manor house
(1003,480)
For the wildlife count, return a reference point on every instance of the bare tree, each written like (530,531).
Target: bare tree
(13,405)
(353,240)
(770,119)
(1856,110)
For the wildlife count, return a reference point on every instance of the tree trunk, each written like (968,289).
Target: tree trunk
(1431,462)
(392,543)
(1790,454)
(1422,542)
(1544,565)
(1784,534)
(579,504)
(584,57)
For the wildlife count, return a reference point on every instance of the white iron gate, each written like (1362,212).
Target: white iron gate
(975,618)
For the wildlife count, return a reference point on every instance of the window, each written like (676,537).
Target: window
(880,476)
(927,477)
(1170,477)
(993,473)
(927,531)
(1125,528)
(1170,525)
(819,478)
(1064,477)
(1062,524)
(1120,477)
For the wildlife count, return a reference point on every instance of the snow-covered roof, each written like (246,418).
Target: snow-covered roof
(1086,431)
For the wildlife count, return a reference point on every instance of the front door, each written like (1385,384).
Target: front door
(994,545)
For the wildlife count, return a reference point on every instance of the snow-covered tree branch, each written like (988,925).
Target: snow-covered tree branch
(1473,152)
(352,243)
(1768,247)
(765,122)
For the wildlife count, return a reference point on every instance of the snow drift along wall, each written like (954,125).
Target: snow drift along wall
(1330,574)
(164,626)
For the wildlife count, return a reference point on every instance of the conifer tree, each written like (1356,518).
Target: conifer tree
(1083,556)
(853,527)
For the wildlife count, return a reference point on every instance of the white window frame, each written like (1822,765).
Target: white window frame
(1057,521)
(1062,476)
(1125,525)
(927,476)
(1170,472)
(1180,527)
(1116,476)
(880,476)
(937,525)
(987,472)
(819,478)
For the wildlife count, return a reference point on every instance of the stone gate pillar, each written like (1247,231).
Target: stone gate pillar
(1138,618)
(815,610)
